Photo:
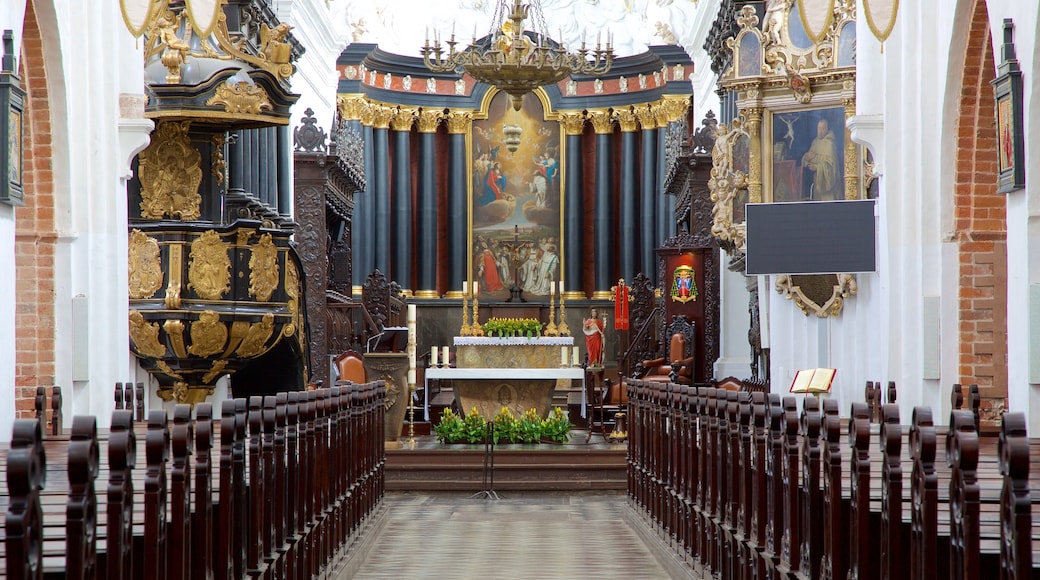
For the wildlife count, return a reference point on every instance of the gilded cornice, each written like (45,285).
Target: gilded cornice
(351,107)
(601,121)
(459,122)
(573,122)
(381,116)
(626,119)
(645,114)
(403,118)
(428,119)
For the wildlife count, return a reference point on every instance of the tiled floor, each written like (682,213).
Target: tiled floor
(519,536)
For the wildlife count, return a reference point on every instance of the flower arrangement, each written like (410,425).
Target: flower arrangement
(528,428)
(512,327)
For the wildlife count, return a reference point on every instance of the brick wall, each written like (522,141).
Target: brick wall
(980,227)
(34,231)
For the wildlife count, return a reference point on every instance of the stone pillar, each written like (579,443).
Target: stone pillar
(401,198)
(648,194)
(459,123)
(663,206)
(381,189)
(629,193)
(572,124)
(363,250)
(603,211)
(426,260)
(285,185)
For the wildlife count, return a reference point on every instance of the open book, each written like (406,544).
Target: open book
(813,381)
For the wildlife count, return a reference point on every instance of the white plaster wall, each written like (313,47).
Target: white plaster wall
(734,323)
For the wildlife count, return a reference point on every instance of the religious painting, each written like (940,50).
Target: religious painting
(808,152)
(847,45)
(515,202)
(1007,89)
(14,147)
(749,58)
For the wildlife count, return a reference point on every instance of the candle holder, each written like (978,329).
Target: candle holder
(562,328)
(550,329)
(411,416)
(476,329)
(465,330)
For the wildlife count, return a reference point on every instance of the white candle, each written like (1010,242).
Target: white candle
(411,377)
(465,288)
(476,288)
(574,357)
(444,355)
(563,356)
(433,356)
(411,313)
(561,287)
(552,288)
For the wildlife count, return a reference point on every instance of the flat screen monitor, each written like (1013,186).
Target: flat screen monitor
(811,237)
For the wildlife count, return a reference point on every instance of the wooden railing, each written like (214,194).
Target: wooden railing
(744,485)
(291,482)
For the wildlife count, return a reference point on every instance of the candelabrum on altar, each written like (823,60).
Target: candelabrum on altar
(562,328)
(477,329)
(551,329)
(466,329)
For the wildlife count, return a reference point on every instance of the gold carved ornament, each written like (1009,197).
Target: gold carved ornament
(459,122)
(170,173)
(209,267)
(241,97)
(174,329)
(208,334)
(218,166)
(292,290)
(820,294)
(256,337)
(573,123)
(392,391)
(428,119)
(626,119)
(725,183)
(145,336)
(145,267)
(263,269)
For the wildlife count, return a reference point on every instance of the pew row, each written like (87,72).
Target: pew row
(747,485)
(265,487)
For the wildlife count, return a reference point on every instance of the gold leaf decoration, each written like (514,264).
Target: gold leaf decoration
(241,97)
(170,174)
(216,370)
(208,334)
(145,336)
(258,333)
(209,267)
(145,267)
(263,269)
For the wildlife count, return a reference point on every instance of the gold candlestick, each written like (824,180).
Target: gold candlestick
(563,329)
(478,330)
(550,329)
(465,330)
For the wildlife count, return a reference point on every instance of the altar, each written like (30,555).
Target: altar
(517,373)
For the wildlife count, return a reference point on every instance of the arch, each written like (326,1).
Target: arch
(979,224)
(35,228)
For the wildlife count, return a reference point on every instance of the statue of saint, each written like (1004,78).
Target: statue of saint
(592,327)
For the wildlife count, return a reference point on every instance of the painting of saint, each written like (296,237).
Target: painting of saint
(808,153)
(516,191)
(749,59)
(847,45)
(1005,134)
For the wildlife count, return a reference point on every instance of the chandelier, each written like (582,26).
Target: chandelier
(514,59)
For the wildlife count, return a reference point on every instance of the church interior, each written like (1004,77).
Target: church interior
(519,288)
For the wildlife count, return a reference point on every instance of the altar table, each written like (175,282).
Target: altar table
(518,389)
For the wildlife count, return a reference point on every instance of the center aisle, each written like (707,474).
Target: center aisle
(523,535)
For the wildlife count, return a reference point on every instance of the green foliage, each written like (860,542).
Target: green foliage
(528,428)
(512,327)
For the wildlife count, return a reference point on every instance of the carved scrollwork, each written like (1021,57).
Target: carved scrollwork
(256,337)
(820,294)
(170,173)
(728,185)
(241,97)
(209,267)
(145,335)
(208,334)
(263,269)
(145,266)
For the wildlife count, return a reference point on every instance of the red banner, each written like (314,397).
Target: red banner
(621,308)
